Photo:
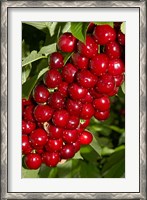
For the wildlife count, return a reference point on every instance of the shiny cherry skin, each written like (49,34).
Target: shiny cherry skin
(76,145)
(26,102)
(102,104)
(52,78)
(119,79)
(85,138)
(28,126)
(121,38)
(104,34)
(94,93)
(102,115)
(87,111)
(33,161)
(66,42)
(84,123)
(86,79)
(41,94)
(70,136)
(91,27)
(73,122)
(38,137)
(99,64)
(87,99)
(43,113)
(26,148)
(63,88)
(54,131)
(113,92)
(74,107)
(54,145)
(116,67)
(68,151)
(89,49)
(81,62)
(113,50)
(51,159)
(105,84)
(56,60)
(68,72)
(56,101)
(28,113)
(76,91)
(60,118)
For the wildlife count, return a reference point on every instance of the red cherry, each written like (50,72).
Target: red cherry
(54,145)
(119,79)
(94,93)
(81,62)
(113,92)
(43,113)
(27,127)
(51,159)
(38,137)
(85,138)
(90,27)
(60,118)
(76,91)
(74,107)
(70,136)
(52,78)
(73,122)
(26,148)
(116,67)
(113,50)
(86,79)
(40,94)
(84,123)
(66,42)
(68,151)
(68,72)
(104,34)
(87,111)
(99,64)
(28,113)
(33,161)
(26,102)
(76,145)
(105,84)
(56,101)
(56,60)
(121,38)
(87,99)
(102,115)
(102,104)
(55,132)
(62,89)
(89,48)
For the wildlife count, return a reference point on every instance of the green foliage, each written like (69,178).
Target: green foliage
(123,28)
(105,156)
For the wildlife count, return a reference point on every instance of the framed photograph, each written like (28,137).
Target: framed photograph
(73,94)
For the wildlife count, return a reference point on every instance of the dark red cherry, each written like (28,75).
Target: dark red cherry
(84,123)
(40,93)
(68,72)
(81,62)
(62,89)
(43,113)
(54,132)
(68,151)
(54,145)
(86,79)
(51,159)
(38,137)
(102,104)
(74,107)
(66,42)
(76,145)
(90,27)
(73,122)
(85,138)
(70,136)
(119,79)
(116,67)
(113,50)
(104,34)
(76,91)
(121,38)
(87,111)
(28,126)
(56,101)
(28,113)
(105,84)
(32,161)
(56,60)
(87,99)
(26,102)
(99,64)
(113,92)
(60,118)
(26,148)
(102,115)
(52,78)
(94,93)
(89,48)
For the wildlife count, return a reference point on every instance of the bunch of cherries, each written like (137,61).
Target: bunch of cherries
(55,118)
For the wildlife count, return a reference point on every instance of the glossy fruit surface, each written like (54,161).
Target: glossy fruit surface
(85,138)
(119,79)
(56,60)
(60,118)
(73,122)
(40,94)
(81,62)
(74,107)
(28,113)
(70,136)
(68,72)
(33,161)
(76,91)
(55,132)
(113,50)
(62,88)
(121,38)
(102,115)
(102,104)
(68,151)
(38,137)
(51,159)
(54,145)
(56,101)
(26,148)
(52,78)
(116,67)
(87,111)
(43,113)
(28,126)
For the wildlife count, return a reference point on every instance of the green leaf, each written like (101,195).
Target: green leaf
(26,72)
(123,28)
(65,170)
(40,25)
(67,57)
(89,154)
(78,156)
(44,171)
(89,170)
(25,49)
(95,145)
(123,87)
(46,50)
(104,23)
(79,29)
(27,173)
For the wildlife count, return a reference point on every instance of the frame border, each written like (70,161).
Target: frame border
(4,98)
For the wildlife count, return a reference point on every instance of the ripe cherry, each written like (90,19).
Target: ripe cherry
(54,145)
(56,101)
(66,42)
(116,67)
(38,137)
(102,115)
(60,118)
(94,93)
(87,99)
(28,113)
(86,79)
(74,107)
(43,113)
(113,50)
(54,131)
(121,38)
(33,161)
(52,78)
(40,93)
(104,34)
(113,92)
(68,151)
(84,123)
(102,104)
(119,80)
(76,145)
(76,91)
(56,60)
(28,126)
(51,159)
(26,148)
(89,49)
(70,136)
(73,122)
(87,111)
(99,64)
(26,102)
(68,72)
(81,62)
(62,89)
(85,138)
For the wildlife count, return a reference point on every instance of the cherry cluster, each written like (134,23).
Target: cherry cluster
(55,118)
